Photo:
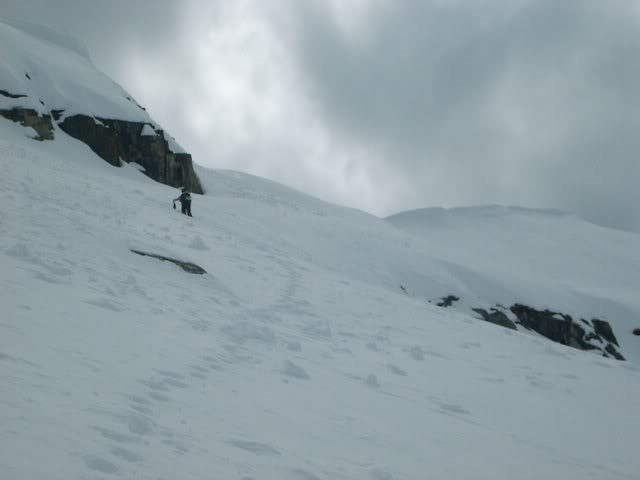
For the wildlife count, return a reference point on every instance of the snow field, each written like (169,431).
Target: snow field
(296,356)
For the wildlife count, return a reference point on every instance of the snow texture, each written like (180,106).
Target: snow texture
(51,71)
(148,131)
(297,356)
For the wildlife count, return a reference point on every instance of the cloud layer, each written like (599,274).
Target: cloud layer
(388,105)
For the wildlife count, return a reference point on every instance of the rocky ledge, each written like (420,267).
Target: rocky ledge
(117,142)
(30,118)
(594,334)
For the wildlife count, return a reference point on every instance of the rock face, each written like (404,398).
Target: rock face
(115,141)
(48,83)
(118,141)
(561,328)
(30,118)
(604,330)
(496,317)
(564,329)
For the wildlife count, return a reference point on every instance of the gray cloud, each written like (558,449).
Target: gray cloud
(389,105)
(524,102)
(109,28)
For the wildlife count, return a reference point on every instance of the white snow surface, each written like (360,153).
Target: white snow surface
(542,258)
(148,131)
(297,356)
(60,76)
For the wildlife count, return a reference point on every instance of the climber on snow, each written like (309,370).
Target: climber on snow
(185,201)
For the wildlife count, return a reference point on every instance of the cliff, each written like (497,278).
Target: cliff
(49,84)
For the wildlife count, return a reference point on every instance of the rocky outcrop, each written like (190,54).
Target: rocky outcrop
(604,330)
(115,141)
(30,118)
(118,141)
(496,317)
(4,93)
(596,335)
(186,266)
(562,328)
(447,301)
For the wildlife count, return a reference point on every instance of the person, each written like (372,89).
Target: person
(185,201)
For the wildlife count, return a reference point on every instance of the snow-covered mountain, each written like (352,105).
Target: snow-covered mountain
(542,258)
(312,347)
(49,84)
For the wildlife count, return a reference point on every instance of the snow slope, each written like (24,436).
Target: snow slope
(50,71)
(543,258)
(296,356)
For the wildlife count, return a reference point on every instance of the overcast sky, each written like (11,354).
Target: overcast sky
(388,105)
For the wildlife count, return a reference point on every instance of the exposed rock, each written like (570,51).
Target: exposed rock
(497,317)
(636,331)
(30,118)
(115,141)
(447,301)
(4,93)
(56,114)
(557,327)
(118,140)
(603,329)
(613,352)
(186,266)
(563,329)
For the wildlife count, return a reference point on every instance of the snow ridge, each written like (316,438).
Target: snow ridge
(51,36)
(50,71)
